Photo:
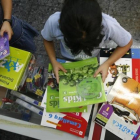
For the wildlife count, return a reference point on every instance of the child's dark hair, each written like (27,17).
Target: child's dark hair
(80,23)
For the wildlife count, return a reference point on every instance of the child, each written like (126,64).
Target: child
(20,33)
(83,29)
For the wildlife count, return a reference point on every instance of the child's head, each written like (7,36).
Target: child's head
(80,23)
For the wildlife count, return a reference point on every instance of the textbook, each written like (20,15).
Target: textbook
(14,67)
(129,64)
(121,114)
(64,122)
(53,96)
(4,46)
(78,87)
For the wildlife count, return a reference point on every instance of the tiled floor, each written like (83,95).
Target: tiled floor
(36,12)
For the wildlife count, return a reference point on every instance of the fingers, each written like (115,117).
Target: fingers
(103,77)
(96,72)
(1,33)
(64,70)
(9,35)
(57,77)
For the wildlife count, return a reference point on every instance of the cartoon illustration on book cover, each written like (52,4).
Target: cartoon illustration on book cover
(4,46)
(123,65)
(12,64)
(121,115)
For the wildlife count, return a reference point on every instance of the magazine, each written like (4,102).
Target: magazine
(78,87)
(70,124)
(4,46)
(121,114)
(53,96)
(128,64)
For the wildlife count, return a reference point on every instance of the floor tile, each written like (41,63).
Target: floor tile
(129,8)
(132,25)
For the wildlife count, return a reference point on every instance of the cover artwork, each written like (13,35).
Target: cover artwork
(77,87)
(13,68)
(65,122)
(4,46)
(128,64)
(53,96)
(121,114)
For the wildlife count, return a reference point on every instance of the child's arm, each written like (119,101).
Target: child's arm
(49,46)
(118,53)
(7,10)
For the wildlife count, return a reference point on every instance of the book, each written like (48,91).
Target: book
(94,131)
(4,46)
(64,122)
(53,96)
(78,87)
(128,64)
(97,132)
(121,114)
(14,67)
(44,100)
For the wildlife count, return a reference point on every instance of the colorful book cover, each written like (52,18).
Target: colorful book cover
(53,96)
(14,66)
(4,46)
(128,64)
(97,132)
(69,124)
(121,114)
(78,87)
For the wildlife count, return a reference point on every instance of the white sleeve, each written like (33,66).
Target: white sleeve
(47,32)
(118,34)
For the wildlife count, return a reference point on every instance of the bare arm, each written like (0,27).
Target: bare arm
(118,53)
(49,46)
(7,10)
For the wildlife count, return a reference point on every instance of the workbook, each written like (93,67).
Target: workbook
(121,114)
(53,96)
(13,68)
(78,87)
(71,124)
(129,64)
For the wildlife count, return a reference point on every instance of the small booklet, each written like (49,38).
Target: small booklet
(4,46)
(78,87)
(121,114)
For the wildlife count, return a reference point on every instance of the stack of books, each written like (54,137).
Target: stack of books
(119,117)
(14,68)
(67,106)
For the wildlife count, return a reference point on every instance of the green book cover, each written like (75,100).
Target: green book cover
(13,68)
(78,87)
(53,96)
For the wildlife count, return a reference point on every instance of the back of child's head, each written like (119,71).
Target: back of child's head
(80,23)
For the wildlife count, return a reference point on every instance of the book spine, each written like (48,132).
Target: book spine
(26,98)
(29,56)
(29,106)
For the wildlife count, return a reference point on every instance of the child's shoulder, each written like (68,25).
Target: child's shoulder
(54,17)
(109,21)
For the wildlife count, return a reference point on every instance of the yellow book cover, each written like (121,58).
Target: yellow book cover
(13,68)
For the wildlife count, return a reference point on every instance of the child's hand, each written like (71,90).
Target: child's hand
(56,67)
(6,27)
(103,69)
